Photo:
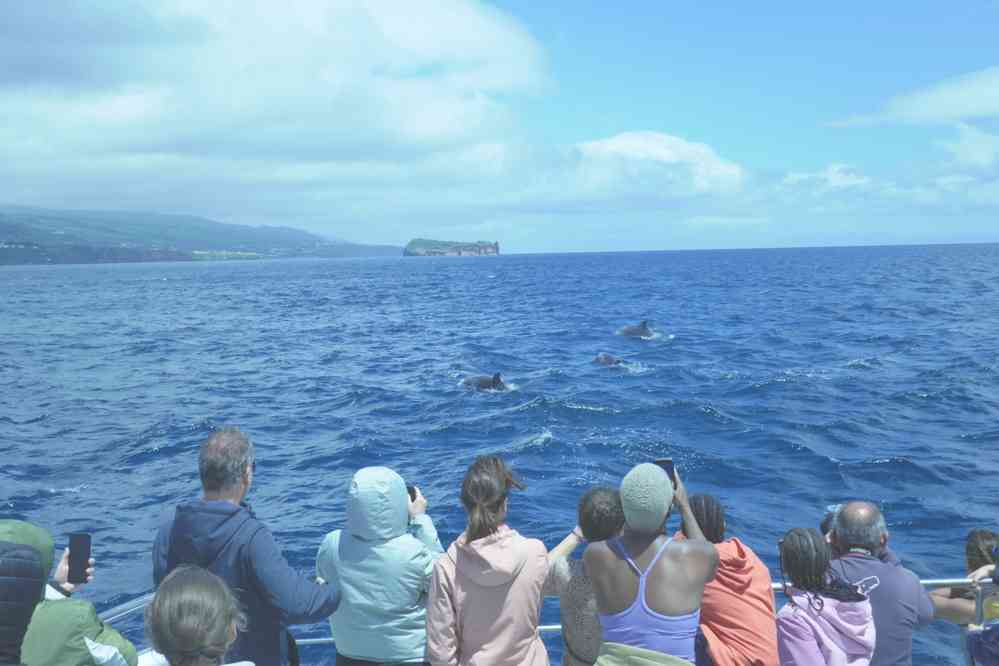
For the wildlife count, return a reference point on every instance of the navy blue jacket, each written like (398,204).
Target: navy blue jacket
(229,541)
(984,645)
(22,585)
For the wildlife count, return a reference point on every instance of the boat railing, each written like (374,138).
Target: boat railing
(981,590)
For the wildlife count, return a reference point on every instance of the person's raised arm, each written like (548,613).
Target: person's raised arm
(570,543)
(705,560)
(690,527)
(422,526)
(299,599)
(325,561)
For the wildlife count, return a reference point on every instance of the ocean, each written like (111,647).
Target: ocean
(782,381)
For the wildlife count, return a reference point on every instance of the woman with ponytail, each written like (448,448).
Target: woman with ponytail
(193,619)
(485,594)
(825,621)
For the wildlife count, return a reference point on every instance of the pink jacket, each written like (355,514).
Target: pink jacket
(840,634)
(485,601)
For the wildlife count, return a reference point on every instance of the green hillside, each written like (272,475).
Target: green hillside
(38,235)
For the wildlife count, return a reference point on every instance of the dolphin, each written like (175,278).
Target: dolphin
(642,330)
(485,382)
(603,358)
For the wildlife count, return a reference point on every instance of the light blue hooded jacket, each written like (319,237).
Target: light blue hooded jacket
(382,564)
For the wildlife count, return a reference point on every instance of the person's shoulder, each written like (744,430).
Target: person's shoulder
(788,614)
(692,548)
(535,547)
(167,516)
(446,563)
(909,576)
(598,550)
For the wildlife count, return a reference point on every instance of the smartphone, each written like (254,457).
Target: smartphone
(669,467)
(79,557)
(412,493)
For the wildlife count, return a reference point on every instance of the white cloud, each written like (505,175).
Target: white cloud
(336,80)
(727,221)
(376,120)
(965,97)
(973,147)
(634,158)
(833,177)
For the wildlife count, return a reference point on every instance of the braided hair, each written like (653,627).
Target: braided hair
(804,557)
(710,517)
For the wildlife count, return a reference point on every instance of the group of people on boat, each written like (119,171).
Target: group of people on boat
(393,595)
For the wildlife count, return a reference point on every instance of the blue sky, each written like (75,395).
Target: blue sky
(550,126)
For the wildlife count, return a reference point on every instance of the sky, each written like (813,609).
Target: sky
(548,126)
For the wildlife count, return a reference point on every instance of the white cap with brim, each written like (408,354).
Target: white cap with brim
(646,496)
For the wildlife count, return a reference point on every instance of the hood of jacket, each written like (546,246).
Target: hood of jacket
(848,624)
(377,505)
(19,531)
(201,530)
(735,565)
(491,561)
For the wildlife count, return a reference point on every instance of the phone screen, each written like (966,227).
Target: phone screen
(669,467)
(412,493)
(79,557)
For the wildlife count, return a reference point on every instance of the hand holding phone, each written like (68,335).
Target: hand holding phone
(417,502)
(79,557)
(669,468)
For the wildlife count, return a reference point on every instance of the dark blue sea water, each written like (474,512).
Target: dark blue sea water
(782,380)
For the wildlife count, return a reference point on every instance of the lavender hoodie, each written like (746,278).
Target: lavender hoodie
(841,634)
(485,600)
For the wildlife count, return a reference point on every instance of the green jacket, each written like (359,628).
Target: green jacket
(57,631)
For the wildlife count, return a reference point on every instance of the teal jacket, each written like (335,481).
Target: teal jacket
(382,564)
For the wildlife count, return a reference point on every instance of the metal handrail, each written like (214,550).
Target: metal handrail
(982,589)
(139,603)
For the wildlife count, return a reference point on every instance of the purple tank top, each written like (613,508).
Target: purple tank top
(640,626)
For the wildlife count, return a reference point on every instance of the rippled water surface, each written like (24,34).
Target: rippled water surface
(781,380)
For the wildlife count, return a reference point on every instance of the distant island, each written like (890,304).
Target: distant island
(46,236)
(422,247)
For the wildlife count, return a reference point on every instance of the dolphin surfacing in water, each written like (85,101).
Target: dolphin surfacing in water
(642,330)
(485,383)
(603,358)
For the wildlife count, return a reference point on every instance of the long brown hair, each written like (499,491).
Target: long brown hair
(191,617)
(978,548)
(484,491)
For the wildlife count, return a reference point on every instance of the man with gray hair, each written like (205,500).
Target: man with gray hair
(220,533)
(859,538)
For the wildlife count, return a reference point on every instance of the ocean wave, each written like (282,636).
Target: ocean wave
(795,379)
